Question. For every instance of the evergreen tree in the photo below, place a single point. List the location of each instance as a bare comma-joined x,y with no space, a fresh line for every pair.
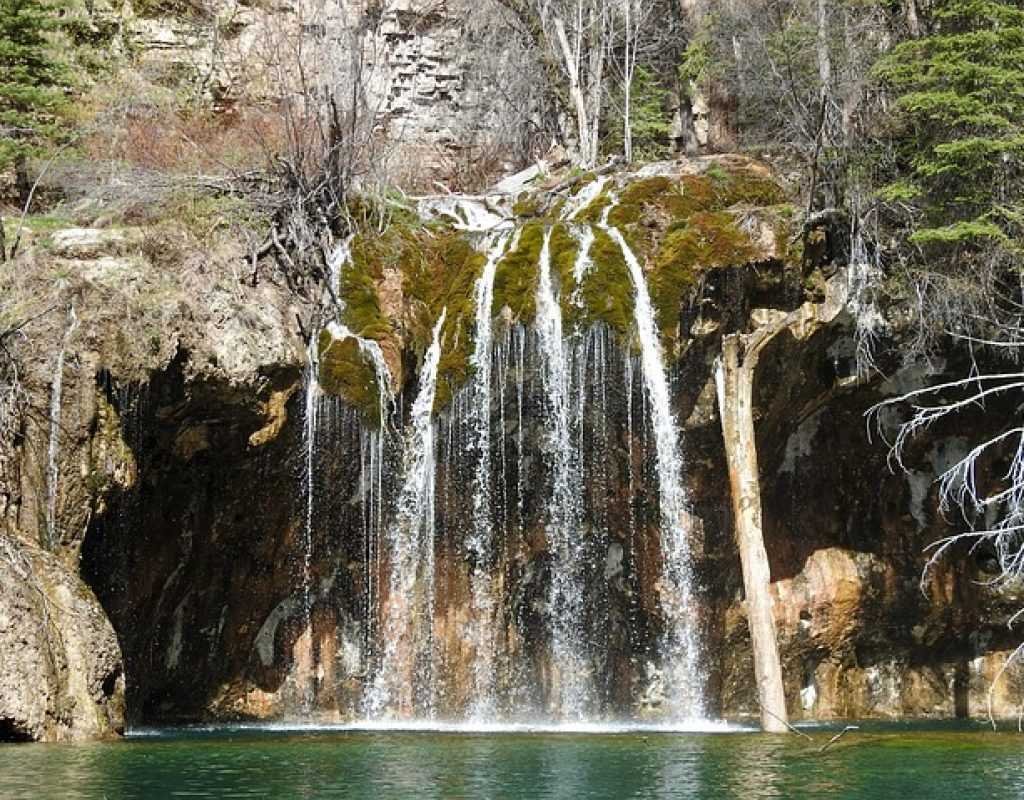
33,80
648,122
960,136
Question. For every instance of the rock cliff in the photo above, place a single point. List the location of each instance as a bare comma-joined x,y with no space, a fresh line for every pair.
163,469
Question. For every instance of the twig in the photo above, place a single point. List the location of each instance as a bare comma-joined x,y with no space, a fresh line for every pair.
32,192
785,722
838,736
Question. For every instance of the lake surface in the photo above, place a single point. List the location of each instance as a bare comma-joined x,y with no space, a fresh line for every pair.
958,762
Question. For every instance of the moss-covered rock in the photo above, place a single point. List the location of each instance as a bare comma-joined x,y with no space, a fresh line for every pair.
680,226
442,275
438,266
517,273
357,289
708,240
606,289
345,371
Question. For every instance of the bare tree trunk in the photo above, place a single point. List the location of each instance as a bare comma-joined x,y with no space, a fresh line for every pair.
629,61
913,23
824,59
735,383
3,241
21,180
597,59
735,398
575,89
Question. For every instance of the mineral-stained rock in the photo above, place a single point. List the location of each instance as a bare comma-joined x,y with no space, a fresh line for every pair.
61,675
94,243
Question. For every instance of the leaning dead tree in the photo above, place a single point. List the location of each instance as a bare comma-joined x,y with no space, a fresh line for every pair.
734,377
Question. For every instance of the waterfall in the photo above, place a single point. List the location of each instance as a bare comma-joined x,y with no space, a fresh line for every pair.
583,198
403,683
572,680
679,650
53,445
480,542
314,399
545,602
309,435
583,264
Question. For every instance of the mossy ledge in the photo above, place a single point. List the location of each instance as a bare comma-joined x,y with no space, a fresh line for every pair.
726,213
438,266
345,371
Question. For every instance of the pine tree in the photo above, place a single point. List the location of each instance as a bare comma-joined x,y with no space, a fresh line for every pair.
33,81
960,107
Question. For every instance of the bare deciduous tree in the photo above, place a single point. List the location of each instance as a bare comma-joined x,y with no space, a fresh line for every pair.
734,377
574,36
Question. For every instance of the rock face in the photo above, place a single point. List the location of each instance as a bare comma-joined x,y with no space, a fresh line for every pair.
232,531
863,630
62,676
413,61
107,309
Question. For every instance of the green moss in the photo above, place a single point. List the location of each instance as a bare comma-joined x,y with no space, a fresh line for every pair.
526,205
515,278
607,288
594,210
555,212
663,198
789,245
379,212
346,372
634,198
747,188
357,289
709,240
564,250
439,272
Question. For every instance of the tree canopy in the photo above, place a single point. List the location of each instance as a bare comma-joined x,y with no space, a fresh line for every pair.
33,78
959,102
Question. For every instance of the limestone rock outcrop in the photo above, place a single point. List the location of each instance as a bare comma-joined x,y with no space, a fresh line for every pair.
177,490
61,671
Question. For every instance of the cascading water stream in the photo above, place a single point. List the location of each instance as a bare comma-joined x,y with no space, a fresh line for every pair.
480,544
584,198
314,399
572,688
304,646
53,446
679,651
403,684
529,451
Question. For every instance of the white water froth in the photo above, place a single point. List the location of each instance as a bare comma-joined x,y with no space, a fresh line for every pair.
572,682
403,683
480,543
53,446
466,214
583,198
697,726
684,690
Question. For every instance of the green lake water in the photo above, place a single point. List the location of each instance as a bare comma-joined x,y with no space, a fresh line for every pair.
878,762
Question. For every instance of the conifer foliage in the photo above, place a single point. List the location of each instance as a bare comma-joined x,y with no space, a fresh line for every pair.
33,80
960,111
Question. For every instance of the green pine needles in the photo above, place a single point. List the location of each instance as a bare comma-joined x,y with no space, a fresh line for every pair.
33,78
960,105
